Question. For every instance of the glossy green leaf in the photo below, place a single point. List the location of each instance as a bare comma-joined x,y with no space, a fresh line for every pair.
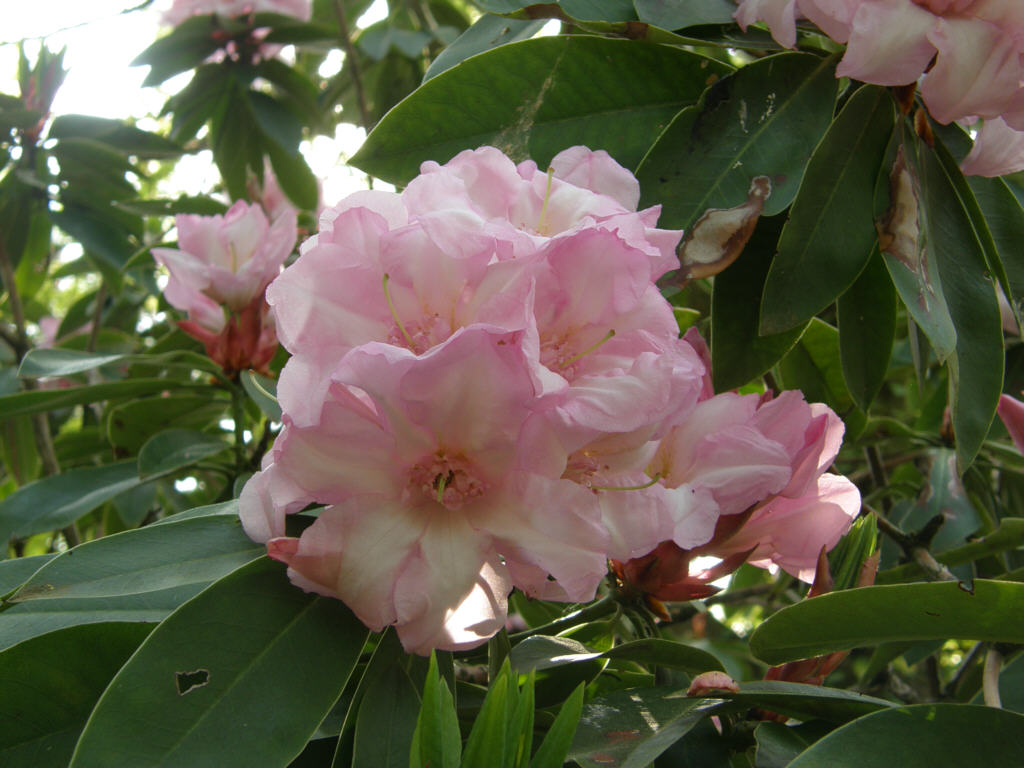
41,401
224,508
489,739
802,701
976,369
263,392
62,362
866,315
386,719
489,31
124,138
251,648
582,10
833,206
763,120
542,652
196,551
436,741
738,353
177,448
14,573
59,500
521,727
634,726
577,90
922,736
49,685
1004,217
129,425
671,14
987,610
778,744
554,750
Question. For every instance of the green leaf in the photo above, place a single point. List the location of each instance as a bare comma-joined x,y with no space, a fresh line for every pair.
763,120
870,615
804,702
55,399
489,31
198,204
488,742
922,736
542,652
251,648
867,327
106,241
671,14
554,750
976,369
738,353
227,508
125,138
1004,217
521,728
59,500
195,551
386,718
436,741
63,362
49,685
778,744
14,573
184,48
263,392
634,726
834,205
581,90
237,147
295,177
177,448
129,425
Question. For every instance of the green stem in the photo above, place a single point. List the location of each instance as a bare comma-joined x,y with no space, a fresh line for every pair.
238,416
606,606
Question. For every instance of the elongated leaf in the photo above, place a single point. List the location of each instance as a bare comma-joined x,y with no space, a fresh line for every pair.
436,741
521,728
763,120
922,736
251,648
177,448
669,14
49,685
804,702
14,573
129,425
489,31
125,138
62,362
554,750
578,90
196,551
41,401
867,327
634,726
263,392
386,720
59,500
976,370
778,744
488,742
830,233
542,652
870,615
738,353
225,508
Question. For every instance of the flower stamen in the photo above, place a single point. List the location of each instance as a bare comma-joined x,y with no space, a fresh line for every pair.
394,314
654,480
544,208
607,337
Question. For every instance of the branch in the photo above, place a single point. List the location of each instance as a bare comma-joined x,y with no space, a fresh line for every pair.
352,60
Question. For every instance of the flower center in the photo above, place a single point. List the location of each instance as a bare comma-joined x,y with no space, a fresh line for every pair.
561,354
447,480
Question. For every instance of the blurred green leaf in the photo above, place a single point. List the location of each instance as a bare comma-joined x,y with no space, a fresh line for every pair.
922,736
14,573
542,652
763,120
489,739
489,31
866,314
175,449
54,399
130,425
804,702
671,14
125,138
186,46
251,648
581,90
833,205
857,617
49,685
554,750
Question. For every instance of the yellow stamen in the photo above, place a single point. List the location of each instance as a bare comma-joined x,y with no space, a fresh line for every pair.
544,209
442,483
654,480
608,336
394,314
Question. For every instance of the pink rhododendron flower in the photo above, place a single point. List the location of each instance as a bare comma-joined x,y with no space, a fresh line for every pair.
219,275
970,52
184,9
1011,411
998,149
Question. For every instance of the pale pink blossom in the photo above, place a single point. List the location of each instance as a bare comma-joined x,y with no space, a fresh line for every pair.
967,54
181,10
418,457
224,260
1011,411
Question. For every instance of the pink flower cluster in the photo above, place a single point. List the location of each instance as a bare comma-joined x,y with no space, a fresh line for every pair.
219,275
488,391
971,53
